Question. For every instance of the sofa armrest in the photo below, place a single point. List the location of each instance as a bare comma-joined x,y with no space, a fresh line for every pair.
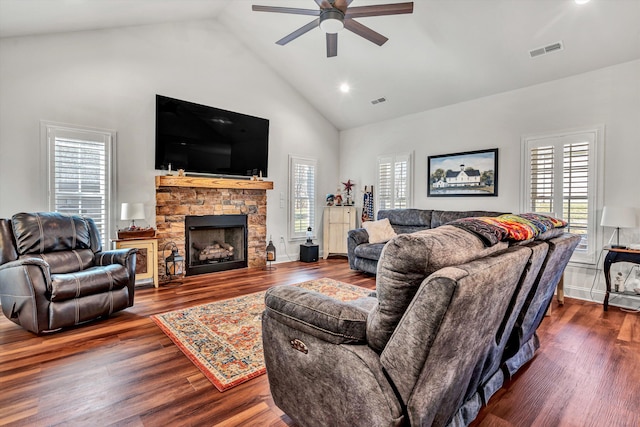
319,315
355,237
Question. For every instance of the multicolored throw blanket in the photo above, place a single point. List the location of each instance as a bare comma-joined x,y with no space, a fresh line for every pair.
517,228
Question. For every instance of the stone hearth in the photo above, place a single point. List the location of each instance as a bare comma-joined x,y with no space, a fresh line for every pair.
177,197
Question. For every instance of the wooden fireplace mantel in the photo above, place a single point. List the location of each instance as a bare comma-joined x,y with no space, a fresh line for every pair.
203,182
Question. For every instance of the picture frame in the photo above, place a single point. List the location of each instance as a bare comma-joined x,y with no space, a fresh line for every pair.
465,174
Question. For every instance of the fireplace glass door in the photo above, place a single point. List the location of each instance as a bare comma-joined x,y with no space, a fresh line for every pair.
215,243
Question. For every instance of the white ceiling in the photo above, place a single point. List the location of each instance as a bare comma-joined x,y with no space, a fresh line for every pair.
447,51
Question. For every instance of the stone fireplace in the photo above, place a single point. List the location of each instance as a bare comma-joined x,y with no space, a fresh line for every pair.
178,198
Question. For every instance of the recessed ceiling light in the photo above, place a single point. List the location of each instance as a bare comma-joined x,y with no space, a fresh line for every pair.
581,1
344,88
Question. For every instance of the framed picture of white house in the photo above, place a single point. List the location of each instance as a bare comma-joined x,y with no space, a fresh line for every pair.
472,173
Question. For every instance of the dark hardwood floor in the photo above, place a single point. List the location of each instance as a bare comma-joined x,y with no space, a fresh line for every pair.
125,371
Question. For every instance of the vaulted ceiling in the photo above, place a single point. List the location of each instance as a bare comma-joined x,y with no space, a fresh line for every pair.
447,51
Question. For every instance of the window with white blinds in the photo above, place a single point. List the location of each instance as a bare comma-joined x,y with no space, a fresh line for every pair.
561,176
302,200
394,181
80,168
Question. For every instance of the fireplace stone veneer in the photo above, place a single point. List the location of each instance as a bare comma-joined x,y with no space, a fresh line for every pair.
178,197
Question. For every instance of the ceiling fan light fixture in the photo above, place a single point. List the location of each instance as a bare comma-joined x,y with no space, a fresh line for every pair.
331,21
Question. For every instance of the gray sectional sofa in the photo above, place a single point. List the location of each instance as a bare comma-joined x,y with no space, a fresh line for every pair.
450,321
364,256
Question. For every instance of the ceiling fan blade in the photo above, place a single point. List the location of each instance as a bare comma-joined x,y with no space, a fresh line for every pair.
364,31
332,45
257,8
342,5
300,31
324,4
379,10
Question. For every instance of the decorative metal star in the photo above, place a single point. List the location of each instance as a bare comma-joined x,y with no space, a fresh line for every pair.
348,186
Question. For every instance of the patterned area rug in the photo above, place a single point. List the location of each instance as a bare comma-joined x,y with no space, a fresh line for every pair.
224,338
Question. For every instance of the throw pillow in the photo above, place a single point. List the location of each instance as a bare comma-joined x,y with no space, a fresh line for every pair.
379,231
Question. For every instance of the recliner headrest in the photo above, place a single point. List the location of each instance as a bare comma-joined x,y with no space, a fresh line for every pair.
43,232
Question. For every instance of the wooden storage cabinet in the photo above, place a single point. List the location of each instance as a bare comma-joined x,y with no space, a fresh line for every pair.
146,259
338,220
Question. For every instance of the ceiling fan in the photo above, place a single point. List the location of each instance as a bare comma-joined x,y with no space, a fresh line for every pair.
335,15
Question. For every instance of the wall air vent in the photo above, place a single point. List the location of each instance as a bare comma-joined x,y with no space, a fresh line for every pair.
379,100
554,47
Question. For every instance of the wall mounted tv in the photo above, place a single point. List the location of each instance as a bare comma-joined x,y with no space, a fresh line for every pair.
207,140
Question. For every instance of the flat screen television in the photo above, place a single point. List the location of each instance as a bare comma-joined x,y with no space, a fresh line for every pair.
208,140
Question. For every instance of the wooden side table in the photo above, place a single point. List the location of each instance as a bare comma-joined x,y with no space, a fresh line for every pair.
146,259
618,255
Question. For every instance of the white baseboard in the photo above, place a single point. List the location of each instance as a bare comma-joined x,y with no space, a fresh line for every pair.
597,295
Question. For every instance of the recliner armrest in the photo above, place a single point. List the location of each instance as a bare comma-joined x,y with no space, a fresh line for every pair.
358,235
26,261
26,276
124,257
319,315
116,256
355,237
25,288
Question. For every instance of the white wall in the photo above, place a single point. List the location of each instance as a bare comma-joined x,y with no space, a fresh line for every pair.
609,96
109,79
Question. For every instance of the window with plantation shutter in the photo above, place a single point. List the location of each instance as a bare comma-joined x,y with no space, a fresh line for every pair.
394,181
561,175
80,173
302,200
541,182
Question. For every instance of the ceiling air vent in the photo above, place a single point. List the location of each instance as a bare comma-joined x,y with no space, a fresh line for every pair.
554,47
379,100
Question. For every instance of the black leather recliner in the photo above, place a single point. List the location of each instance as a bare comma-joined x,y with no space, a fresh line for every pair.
54,273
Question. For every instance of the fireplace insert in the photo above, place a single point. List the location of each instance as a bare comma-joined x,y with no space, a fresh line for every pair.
215,243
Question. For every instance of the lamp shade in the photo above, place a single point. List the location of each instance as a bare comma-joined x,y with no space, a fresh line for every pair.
132,211
619,217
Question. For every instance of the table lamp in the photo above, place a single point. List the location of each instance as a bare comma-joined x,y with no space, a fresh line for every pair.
618,217
132,211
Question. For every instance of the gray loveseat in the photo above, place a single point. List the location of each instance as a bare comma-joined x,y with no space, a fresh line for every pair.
364,256
450,321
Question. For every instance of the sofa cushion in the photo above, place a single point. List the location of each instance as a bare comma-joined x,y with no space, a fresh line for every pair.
379,231
551,234
369,250
406,261
95,280
48,232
